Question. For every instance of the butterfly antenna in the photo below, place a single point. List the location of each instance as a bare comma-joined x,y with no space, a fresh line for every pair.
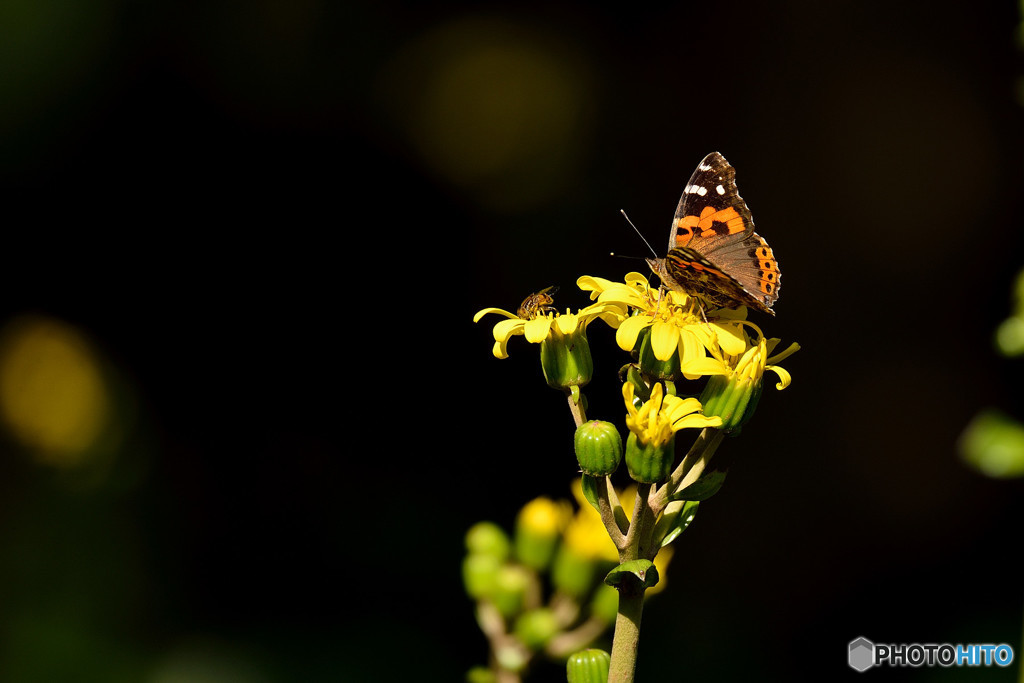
623,212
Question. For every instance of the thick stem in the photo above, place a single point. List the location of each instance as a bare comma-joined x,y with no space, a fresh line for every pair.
627,632
631,594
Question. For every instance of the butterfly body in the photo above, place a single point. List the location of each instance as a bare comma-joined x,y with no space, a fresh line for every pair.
713,251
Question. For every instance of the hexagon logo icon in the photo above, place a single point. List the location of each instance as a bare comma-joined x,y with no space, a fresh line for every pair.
862,654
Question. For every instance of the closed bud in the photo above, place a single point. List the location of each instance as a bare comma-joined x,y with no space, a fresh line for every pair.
588,666
509,590
539,527
536,627
573,573
487,538
598,448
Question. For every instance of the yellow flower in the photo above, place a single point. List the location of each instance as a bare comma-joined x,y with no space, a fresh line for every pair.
658,419
543,323
751,363
734,388
538,528
676,323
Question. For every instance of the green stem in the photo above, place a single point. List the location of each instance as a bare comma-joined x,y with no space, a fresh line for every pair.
638,527
631,594
605,493
579,415
690,469
627,632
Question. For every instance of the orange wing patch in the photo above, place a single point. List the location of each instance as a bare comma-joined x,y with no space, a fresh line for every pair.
706,224
768,266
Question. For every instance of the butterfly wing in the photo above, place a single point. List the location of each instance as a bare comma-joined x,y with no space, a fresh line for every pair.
713,249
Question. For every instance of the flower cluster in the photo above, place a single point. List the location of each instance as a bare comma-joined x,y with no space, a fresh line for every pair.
674,340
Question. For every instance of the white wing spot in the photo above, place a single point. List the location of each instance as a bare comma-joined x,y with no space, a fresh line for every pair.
720,189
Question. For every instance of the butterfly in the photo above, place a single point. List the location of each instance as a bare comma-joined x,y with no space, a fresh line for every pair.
713,251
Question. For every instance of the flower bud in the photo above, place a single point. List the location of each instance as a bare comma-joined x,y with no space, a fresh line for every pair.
509,590
598,448
536,627
487,538
480,575
588,666
649,463
539,527
573,573
604,605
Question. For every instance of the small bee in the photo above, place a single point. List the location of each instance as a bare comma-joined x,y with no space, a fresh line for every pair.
537,303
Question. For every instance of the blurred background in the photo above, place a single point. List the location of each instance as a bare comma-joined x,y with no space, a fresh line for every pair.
247,418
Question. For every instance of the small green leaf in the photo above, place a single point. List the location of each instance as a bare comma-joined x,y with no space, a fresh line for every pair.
702,489
644,570
590,491
677,516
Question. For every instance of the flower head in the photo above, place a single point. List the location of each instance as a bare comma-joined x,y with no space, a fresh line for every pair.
669,325
650,447
542,322
736,380
658,419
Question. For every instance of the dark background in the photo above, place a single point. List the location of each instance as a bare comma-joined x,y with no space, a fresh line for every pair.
275,221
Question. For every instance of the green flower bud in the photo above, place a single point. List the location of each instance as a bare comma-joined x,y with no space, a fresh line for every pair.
588,666
598,448
509,590
572,573
487,538
480,575
536,627
649,463
539,527
605,603
565,358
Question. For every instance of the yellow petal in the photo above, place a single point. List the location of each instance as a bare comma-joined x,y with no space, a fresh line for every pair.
690,347
664,340
731,338
500,311
629,330
790,350
698,421
784,377
701,367
682,407
637,279
567,323
594,285
505,329
537,329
